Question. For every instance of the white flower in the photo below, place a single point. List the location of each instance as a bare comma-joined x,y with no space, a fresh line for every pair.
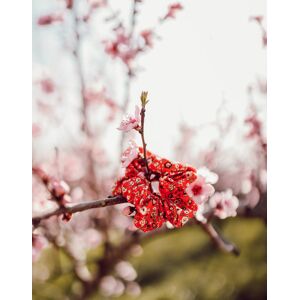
131,121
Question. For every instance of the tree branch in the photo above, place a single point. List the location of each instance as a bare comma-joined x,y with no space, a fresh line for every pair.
79,66
218,240
79,207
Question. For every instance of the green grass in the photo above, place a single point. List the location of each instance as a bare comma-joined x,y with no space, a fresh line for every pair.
183,265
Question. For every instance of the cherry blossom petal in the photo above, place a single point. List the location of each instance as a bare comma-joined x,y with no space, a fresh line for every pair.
129,154
200,214
210,177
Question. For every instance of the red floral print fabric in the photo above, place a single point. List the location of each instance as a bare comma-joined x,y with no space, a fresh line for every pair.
169,203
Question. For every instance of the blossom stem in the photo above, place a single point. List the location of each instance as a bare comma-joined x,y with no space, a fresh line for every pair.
79,207
142,133
79,67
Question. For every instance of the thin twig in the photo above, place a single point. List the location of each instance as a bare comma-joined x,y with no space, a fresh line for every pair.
79,66
84,105
129,74
79,207
142,132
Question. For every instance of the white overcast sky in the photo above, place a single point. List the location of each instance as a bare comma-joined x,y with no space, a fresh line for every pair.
210,52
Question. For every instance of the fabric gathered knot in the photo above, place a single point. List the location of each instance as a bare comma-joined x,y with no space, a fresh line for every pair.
161,195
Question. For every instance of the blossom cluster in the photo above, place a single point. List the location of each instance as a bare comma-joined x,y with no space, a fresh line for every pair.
131,121
172,10
59,190
126,45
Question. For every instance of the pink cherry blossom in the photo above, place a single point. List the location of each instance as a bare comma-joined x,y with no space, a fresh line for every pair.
91,96
131,121
147,35
199,190
38,244
129,154
128,210
97,3
258,19
172,10
255,126
224,204
36,130
253,197
69,4
49,19
122,46
47,85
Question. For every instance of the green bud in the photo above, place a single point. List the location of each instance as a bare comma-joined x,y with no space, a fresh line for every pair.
144,100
